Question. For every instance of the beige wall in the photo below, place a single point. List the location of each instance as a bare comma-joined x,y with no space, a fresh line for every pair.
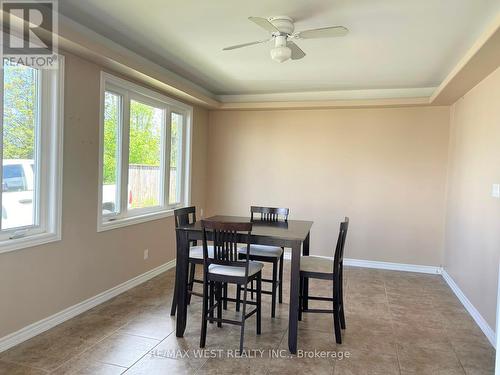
385,168
473,216
40,281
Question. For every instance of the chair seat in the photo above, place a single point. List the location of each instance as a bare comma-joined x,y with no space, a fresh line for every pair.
316,264
262,250
253,268
196,252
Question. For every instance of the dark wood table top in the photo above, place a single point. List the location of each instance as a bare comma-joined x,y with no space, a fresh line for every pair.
293,230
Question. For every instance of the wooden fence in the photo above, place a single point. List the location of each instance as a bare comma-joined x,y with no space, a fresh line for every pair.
144,183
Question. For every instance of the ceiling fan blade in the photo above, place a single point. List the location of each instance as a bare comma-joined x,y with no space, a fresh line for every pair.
324,32
265,24
297,53
245,45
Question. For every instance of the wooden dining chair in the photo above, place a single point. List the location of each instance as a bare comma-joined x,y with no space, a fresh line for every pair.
226,267
326,269
184,216
268,254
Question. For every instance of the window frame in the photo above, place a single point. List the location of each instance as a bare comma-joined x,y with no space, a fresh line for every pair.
130,91
48,164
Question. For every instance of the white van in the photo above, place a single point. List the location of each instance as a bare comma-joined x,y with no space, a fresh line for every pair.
18,179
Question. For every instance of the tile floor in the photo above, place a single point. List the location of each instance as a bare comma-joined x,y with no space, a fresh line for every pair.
397,323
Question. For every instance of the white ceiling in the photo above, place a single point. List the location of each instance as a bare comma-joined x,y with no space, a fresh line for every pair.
392,44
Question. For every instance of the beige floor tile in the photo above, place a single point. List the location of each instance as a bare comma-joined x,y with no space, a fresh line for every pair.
421,317
155,325
46,351
421,336
154,365
85,365
475,357
121,349
15,369
230,366
419,360
368,363
300,366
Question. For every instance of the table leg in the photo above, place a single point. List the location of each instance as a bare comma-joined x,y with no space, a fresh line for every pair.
181,273
305,251
293,316
174,297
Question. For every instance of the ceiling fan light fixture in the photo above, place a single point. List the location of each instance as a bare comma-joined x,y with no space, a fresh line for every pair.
281,54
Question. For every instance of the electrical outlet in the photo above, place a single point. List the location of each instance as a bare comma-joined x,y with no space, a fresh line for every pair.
495,191
146,254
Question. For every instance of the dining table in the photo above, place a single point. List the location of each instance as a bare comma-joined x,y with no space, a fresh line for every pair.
292,234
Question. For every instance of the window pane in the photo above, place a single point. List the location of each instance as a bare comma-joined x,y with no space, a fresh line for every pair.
175,158
111,153
19,148
144,174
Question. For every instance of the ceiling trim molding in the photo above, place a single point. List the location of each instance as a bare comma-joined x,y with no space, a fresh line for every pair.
316,104
479,61
373,94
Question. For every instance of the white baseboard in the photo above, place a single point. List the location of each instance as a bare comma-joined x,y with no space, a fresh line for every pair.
384,265
480,321
43,325
392,266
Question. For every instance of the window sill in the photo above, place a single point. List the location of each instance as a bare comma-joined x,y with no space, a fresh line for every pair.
103,226
28,241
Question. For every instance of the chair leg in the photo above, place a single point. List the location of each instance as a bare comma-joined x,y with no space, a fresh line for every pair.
342,317
238,297
174,300
211,304
192,270
341,298
251,290
280,298
259,302
336,319
243,313
274,289
224,296
219,287
203,335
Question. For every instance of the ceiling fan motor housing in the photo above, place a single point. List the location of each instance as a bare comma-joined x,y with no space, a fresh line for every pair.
283,23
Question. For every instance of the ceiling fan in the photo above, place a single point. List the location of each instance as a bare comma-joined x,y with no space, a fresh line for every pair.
283,32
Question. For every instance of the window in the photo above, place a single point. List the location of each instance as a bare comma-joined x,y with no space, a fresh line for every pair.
31,153
146,164
144,156
176,125
111,156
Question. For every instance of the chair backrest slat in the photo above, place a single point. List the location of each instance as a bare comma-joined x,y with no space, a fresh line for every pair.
225,242
269,214
185,216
